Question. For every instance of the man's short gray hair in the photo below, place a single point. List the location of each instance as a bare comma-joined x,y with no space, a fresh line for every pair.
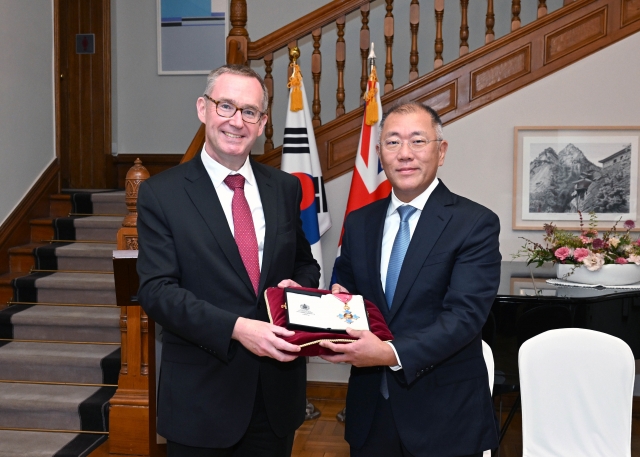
414,107
239,70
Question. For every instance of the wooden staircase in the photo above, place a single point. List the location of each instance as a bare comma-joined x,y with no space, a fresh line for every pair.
21,259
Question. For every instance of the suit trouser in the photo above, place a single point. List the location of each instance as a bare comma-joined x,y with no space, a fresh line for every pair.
258,441
383,439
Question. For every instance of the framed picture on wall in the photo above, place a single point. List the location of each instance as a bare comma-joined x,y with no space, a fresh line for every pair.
561,171
191,36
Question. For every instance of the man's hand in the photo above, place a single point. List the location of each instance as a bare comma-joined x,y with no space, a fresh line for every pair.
367,351
338,289
288,283
263,339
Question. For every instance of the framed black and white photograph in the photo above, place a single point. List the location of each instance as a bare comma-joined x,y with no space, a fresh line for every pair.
562,171
191,36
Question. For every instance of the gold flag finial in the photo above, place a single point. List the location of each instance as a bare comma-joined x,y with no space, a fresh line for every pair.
295,81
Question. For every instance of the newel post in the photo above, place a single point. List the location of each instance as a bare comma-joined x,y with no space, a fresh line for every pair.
132,416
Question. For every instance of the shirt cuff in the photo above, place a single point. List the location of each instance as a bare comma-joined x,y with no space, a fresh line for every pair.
399,365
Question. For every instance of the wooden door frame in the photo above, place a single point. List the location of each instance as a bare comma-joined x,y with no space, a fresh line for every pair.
106,43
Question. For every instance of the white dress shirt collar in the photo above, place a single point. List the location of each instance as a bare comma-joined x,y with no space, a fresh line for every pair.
417,202
219,172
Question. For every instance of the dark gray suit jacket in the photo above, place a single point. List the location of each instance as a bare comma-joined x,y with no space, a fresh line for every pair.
194,284
449,279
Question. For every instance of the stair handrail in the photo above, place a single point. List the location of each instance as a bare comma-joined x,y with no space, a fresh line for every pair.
302,27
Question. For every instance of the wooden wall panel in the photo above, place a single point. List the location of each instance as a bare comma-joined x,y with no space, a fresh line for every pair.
501,72
443,99
630,12
155,163
575,35
342,148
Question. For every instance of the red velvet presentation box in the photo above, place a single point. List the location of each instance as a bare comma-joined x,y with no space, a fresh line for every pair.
308,341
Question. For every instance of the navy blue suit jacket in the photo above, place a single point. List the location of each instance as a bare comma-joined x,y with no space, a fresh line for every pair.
440,399
194,284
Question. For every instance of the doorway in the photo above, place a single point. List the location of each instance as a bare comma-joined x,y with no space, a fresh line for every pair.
83,92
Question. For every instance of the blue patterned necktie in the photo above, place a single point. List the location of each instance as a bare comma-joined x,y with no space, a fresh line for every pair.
398,251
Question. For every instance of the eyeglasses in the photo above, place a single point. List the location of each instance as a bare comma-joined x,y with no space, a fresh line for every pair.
228,109
416,144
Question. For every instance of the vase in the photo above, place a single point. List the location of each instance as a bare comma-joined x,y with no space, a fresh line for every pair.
607,275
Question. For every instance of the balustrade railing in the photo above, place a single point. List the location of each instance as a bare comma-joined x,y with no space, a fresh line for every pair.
334,18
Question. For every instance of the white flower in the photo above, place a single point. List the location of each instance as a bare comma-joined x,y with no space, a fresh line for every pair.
614,241
593,261
633,258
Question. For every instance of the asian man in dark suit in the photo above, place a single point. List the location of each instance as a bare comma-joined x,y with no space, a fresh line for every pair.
430,260
213,234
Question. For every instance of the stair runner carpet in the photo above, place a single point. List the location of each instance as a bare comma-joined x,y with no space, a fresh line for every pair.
59,364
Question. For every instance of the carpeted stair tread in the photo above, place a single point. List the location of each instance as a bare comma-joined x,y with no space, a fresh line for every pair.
62,323
109,203
42,444
82,288
90,228
75,256
56,362
53,407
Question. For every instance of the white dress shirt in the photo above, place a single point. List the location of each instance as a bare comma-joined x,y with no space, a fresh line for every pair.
218,172
391,226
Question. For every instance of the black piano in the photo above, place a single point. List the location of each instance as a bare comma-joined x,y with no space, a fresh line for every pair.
527,305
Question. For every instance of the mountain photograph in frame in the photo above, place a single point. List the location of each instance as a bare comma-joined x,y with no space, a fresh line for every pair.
561,171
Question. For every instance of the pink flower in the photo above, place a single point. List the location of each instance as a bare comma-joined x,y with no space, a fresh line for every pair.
593,261
637,242
580,253
584,239
597,243
633,258
629,224
621,260
562,253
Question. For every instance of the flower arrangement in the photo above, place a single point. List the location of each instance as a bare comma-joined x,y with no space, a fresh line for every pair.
588,248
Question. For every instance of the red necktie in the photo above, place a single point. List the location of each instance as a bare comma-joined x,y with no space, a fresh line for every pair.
243,229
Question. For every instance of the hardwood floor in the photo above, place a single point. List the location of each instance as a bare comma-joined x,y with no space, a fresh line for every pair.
324,436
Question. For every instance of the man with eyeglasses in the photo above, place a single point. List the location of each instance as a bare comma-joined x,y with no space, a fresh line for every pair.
430,260
214,233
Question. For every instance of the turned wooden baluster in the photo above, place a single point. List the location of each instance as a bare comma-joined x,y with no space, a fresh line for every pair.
238,36
515,15
542,8
438,6
316,71
489,34
414,22
464,28
268,81
388,39
340,58
364,49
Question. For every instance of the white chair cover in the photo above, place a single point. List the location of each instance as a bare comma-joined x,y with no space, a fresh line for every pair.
488,359
576,387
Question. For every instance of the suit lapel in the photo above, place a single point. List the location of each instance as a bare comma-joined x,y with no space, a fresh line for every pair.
269,198
373,237
204,197
433,220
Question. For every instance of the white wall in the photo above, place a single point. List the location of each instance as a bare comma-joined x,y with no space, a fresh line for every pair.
27,132
600,90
